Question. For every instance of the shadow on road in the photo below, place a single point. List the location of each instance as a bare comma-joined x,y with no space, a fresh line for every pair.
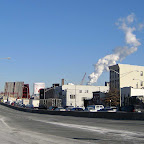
85,139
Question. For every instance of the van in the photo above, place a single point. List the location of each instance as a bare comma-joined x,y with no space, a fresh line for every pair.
94,108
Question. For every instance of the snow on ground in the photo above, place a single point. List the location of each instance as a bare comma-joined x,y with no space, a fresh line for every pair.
9,135
117,133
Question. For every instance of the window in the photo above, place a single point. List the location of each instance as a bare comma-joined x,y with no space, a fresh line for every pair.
141,73
86,91
80,91
141,83
72,96
112,74
115,84
83,98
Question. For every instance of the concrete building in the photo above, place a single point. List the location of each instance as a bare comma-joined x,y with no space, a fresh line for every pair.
36,89
131,96
98,99
124,75
70,94
50,96
16,90
74,95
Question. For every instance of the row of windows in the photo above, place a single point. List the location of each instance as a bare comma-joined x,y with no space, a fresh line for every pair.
116,75
80,91
72,96
45,101
114,84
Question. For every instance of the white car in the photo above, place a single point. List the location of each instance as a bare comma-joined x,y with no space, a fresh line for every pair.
68,108
94,108
60,109
108,109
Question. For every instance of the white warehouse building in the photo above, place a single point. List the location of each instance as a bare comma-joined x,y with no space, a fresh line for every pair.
74,95
70,94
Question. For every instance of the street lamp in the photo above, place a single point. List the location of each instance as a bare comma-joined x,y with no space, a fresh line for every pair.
122,76
6,58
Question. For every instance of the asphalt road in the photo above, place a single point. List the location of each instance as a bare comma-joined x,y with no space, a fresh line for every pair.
18,127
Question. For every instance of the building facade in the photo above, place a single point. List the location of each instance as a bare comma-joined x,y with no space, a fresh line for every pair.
70,94
50,96
74,95
132,96
16,90
124,75
98,99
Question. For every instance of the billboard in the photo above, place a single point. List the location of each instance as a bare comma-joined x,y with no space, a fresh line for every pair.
38,86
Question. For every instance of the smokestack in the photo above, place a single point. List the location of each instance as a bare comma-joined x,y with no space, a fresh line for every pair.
119,53
62,82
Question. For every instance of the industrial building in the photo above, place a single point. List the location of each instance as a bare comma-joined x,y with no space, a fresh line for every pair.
70,94
98,98
51,96
74,95
130,96
16,90
36,89
124,75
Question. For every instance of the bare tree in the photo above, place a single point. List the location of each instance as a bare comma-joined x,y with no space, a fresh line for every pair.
112,98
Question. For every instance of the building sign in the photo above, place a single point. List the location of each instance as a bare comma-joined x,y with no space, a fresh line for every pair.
38,86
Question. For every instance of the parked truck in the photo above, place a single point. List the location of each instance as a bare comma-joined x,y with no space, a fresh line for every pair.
34,103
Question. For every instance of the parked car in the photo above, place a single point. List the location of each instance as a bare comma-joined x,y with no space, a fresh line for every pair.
89,109
60,109
29,106
23,105
94,108
108,109
12,103
68,108
42,107
133,108
4,101
77,109
52,108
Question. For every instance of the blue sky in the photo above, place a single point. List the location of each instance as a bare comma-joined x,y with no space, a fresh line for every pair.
48,40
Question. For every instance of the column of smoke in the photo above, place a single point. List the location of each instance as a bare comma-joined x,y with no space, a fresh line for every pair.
119,53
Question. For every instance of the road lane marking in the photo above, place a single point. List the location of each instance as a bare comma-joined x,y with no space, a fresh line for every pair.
3,121
125,134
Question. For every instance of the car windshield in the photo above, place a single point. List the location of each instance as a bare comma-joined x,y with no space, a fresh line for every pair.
89,108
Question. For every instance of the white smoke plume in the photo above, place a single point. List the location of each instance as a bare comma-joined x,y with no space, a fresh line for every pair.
119,53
